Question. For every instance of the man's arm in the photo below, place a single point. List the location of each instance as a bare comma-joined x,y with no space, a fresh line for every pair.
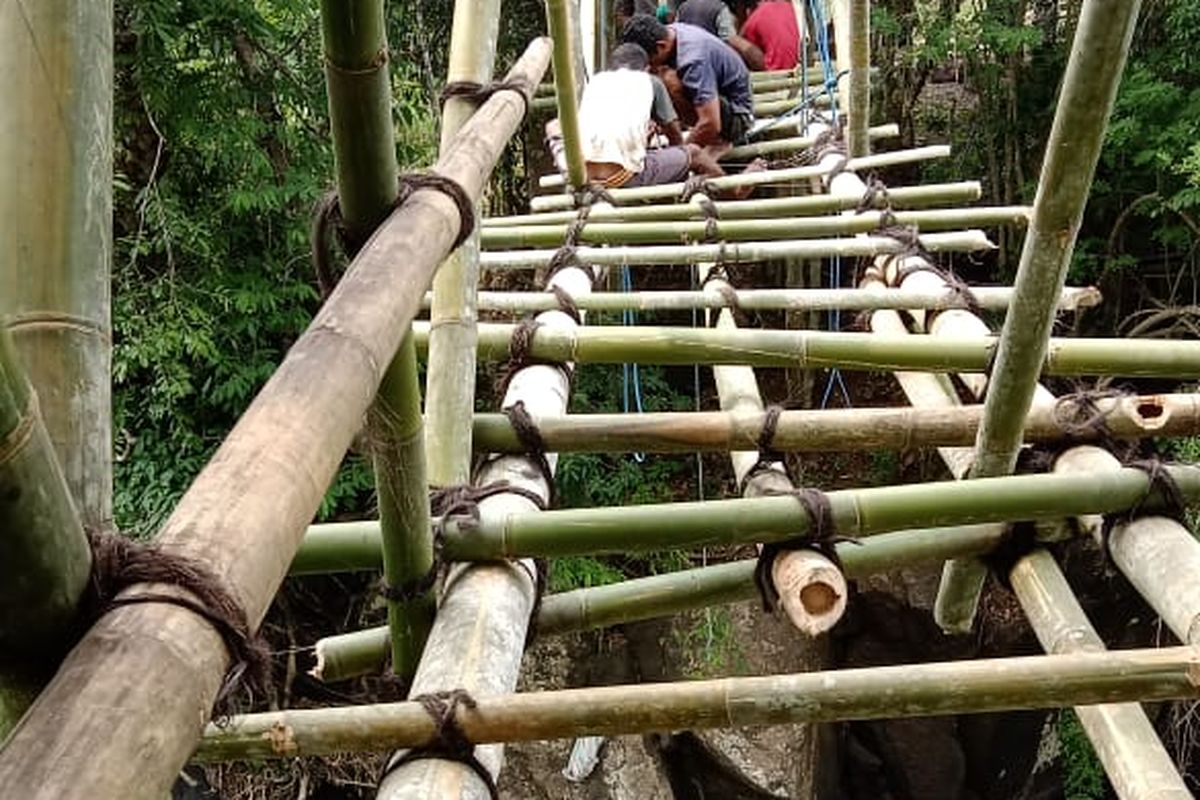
707,129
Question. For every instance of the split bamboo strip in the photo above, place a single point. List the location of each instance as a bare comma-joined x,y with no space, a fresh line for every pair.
856,512
910,690
363,652
558,19
1093,72
858,351
812,227
360,112
1132,754
450,389
56,145
125,716
556,202
858,106
991,298
740,252
800,205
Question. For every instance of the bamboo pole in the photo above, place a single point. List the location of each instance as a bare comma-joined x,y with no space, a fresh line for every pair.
1178,360
664,232
1089,86
558,18
991,298
858,94
349,655
1132,754
56,227
450,389
557,202
762,80
794,206
125,706
360,113
740,252
910,690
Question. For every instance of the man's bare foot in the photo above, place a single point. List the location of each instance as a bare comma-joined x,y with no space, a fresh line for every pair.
757,165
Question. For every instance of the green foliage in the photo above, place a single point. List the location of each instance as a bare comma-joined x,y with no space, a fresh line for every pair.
581,572
710,643
1083,775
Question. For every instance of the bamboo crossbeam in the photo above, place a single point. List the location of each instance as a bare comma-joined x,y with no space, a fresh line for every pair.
990,298
1093,72
558,20
364,652
780,105
764,80
911,690
1133,757
791,228
740,252
155,668
1178,360
901,197
663,191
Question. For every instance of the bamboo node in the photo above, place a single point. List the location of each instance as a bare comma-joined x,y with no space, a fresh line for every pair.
449,743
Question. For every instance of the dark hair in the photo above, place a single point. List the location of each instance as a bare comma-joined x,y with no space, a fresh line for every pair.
628,56
645,31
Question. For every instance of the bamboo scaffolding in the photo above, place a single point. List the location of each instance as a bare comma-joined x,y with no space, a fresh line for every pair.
558,18
557,202
360,112
765,103
990,298
858,351
268,477
858,94
1093,71
363,652
910,690
801,205
663,232
739,252
1123,737
759,81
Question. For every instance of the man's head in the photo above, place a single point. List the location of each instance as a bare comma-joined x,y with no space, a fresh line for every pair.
656,39
629,56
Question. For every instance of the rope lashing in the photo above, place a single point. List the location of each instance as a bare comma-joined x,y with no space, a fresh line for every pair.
449,742
520,355
480,93
767,454
566,303
1162,485
722,282
531,439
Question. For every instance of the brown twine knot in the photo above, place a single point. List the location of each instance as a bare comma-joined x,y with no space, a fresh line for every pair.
449,743
480,93
822,537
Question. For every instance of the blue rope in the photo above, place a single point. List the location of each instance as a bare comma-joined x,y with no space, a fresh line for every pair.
631,382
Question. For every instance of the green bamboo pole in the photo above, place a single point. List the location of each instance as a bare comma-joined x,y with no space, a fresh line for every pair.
768,108
991,298
44,553
558,18
360,112
858,94
664,232
1097,59
740,252
1176,359
762,80
910,690
349,655
56,146
1134,758
156,668
557,202
801,205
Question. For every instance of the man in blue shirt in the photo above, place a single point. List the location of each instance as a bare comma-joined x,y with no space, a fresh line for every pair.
714,78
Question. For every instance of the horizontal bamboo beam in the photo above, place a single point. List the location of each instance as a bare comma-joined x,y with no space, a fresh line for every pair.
763,79
789,228
765,207
741,252
1176,359
991,298
910,690
765,178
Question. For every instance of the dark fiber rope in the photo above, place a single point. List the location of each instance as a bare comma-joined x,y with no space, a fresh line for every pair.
449,742
821,537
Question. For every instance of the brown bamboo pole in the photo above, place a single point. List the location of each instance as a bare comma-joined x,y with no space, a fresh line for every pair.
566,79
740,252
859,351
153,670
56,146
1093,71
991,298
909,690
1134,758
858,94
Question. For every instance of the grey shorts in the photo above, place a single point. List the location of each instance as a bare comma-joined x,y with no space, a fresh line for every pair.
663,165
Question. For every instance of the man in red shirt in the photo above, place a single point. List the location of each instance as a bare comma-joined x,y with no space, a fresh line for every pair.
772,27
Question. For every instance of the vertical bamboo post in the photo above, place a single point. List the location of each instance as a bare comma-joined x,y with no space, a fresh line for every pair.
360,110
558,18
858,103
450,387
1097,59
840,11
1132,754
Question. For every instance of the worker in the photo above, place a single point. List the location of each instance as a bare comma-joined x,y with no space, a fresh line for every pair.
722,20
772,27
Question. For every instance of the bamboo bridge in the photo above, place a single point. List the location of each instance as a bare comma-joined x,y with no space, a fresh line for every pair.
463,565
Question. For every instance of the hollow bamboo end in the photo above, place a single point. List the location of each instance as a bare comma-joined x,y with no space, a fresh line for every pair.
318,670
812,590
1149,412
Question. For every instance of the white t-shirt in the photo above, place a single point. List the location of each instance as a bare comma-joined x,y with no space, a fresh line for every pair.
614,118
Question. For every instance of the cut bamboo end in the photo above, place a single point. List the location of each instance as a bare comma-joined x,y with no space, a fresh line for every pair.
812,590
